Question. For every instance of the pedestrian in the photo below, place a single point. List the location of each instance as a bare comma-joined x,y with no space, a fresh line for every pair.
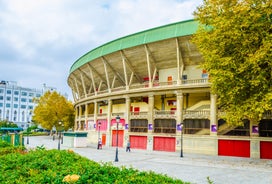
128,147
99,145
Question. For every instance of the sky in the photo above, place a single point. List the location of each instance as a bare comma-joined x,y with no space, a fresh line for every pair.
41,39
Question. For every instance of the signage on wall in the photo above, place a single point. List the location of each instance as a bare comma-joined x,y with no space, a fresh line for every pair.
214,128
126,126
150,127
255,129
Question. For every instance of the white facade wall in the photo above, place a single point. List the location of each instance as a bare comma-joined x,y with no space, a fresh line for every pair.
16,103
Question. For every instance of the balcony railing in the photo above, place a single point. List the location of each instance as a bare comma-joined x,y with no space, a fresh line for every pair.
196,114
157,114
155,84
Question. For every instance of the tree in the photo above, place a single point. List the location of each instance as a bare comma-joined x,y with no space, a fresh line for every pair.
235,38
5,123
52,109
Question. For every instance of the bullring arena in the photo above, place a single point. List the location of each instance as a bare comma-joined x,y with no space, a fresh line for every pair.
149,88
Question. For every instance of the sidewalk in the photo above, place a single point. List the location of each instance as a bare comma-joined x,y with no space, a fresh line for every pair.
192,168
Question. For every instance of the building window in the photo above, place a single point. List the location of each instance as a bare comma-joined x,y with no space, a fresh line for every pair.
7,114
8,98
15,105
16,99
23,116
30,107
16,92
8,105
1,104
1,98
38,95
1,91
9,92
24,93
31,94
23,99
30,100
23,106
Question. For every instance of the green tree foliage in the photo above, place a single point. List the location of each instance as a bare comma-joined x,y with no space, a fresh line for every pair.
235,38
52,109
8,124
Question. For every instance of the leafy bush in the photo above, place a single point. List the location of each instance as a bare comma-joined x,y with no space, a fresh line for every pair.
65,166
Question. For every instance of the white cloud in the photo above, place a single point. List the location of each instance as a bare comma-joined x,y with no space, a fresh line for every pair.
42,38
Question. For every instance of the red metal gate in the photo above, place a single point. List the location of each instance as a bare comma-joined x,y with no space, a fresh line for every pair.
265,150
138,142
239,148
120,138
164,144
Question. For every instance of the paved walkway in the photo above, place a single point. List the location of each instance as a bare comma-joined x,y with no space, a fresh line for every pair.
192,168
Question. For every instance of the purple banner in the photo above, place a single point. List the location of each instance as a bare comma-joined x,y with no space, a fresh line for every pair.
214,128
179,127
255,129
150,127
126,126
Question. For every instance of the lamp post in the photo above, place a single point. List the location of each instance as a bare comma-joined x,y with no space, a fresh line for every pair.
53,132
98,124
181,140
117,124
27,133
60,123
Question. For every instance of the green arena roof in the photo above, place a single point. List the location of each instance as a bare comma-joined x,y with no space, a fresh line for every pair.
177,29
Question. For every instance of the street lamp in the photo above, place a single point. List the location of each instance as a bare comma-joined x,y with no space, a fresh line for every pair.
181,140
27,133
60,123
117,124
98,124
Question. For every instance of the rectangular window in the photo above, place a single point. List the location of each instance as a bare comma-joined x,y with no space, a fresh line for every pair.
23,106
30,100
23,93
30,107
16,99
38,95
1,90
23,99
8,98
15,105
31,94
9,91
8,105
16,92
1,98
1,104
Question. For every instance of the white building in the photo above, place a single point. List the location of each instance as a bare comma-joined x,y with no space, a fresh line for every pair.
16,102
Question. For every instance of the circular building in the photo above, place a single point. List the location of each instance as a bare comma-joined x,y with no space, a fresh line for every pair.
149,89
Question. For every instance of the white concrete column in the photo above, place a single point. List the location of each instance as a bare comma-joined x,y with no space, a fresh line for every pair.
95,111
179,111
127,111
86,116
150,121
150,108
213,115
108,132
76,118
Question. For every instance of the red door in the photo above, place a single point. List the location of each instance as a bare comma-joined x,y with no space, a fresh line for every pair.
138,142
164,144
104,139
120,138
238,148
266,150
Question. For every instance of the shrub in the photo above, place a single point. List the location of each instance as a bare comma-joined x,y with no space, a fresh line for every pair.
61,166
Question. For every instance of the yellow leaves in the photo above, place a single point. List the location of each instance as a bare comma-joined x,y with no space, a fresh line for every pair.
51,109
71,178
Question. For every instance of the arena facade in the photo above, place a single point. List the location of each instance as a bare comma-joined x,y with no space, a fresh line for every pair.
148,88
